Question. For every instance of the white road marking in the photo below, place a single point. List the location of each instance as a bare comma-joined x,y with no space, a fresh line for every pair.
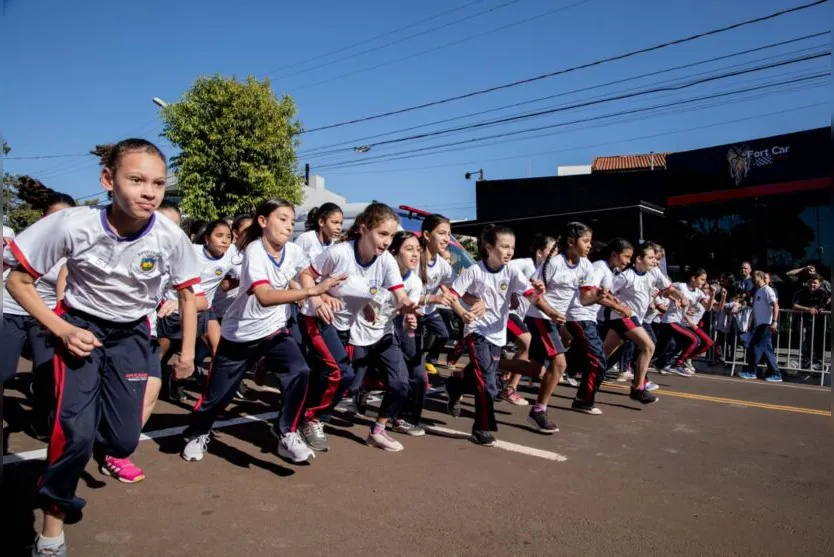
40,454
505,445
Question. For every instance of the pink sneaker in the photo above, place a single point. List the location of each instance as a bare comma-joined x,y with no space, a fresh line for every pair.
122,469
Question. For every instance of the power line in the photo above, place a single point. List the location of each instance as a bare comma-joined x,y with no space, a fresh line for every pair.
632,93
517,118
587,146
561,124
574,68
375,37
46,157
361,140
442,46
402,39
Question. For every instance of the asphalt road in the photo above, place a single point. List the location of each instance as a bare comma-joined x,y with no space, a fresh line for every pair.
717,467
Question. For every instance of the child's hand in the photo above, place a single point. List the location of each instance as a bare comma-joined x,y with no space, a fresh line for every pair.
79,342
169,307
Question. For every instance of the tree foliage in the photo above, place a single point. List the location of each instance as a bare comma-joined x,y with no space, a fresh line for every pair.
237,146
24,198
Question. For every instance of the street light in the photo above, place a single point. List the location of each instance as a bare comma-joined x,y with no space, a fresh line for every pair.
480,174
159,102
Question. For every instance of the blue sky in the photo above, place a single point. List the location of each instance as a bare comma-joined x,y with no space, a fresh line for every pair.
80,73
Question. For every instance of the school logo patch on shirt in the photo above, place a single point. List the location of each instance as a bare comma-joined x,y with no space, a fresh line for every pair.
146,261
504,286
373,290
218,272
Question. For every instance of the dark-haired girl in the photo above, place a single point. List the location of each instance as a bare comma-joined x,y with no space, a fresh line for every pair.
326,320
435,271
229,286
381,340
681,324
587,352
19,327
117,258
255,327
324,227
634,287
517,330
494,282
566,277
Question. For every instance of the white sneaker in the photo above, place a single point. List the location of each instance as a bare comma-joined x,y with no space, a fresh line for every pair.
651,386
383,441
690,366
293,448
568,380
196,448
402,426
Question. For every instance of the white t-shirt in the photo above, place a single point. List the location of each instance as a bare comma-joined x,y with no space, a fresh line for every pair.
653,315
561,281
366,333
528,268
675,314
437,273
153,315
495,288
224,298
763,300
601,277
8,233
246,319
362,284
212,272
116,279
635,290
46,287
310,244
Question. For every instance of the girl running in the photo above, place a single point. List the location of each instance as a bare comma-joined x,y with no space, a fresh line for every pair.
493,281
435,271
634,287
324,227
19,327
566,276
587,352
255,327
326,320
681,325
376,343
517,330
225,295
117,257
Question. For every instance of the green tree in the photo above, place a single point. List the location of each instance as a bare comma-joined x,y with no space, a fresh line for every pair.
470,244
237,146
23,198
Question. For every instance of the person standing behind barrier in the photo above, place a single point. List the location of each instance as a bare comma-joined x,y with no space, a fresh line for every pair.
811,301
765,323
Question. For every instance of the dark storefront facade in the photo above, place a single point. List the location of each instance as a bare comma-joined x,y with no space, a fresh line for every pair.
767,200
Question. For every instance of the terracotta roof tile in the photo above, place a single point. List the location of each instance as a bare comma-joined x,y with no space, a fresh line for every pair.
628,162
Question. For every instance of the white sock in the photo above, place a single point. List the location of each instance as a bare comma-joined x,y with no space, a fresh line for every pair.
50,543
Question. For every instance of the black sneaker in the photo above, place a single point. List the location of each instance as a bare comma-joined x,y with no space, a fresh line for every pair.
540,421
453,404
585,407
483,438
642,396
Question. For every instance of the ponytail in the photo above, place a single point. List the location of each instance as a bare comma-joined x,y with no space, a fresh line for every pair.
321,212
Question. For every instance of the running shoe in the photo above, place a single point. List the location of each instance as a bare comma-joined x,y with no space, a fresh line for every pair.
775,378
483,438
511,395
313,434
651,386
568,380
430,369
195,448
642,395
380,439
402,426
746,375
60,551
453,404
585,407
681,371
541,422
122,469
292,447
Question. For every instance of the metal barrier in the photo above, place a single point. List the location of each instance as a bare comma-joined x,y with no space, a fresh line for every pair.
802,343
